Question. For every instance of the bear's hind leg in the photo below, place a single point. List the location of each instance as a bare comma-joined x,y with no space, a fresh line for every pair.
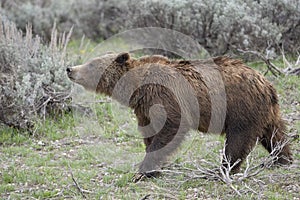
274,140
237,146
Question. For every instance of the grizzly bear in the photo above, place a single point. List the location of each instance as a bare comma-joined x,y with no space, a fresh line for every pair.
170,97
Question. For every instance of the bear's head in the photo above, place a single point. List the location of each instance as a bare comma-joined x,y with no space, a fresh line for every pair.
100,74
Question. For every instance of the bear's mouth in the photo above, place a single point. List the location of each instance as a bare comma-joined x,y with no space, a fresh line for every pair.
75,80
71,78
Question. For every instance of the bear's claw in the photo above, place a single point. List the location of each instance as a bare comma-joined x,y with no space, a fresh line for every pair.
143,175
137,177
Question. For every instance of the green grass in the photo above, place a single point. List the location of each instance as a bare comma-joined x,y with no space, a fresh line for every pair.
102,152
10,136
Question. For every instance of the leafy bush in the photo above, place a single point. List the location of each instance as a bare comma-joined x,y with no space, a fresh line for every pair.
32,75
220,26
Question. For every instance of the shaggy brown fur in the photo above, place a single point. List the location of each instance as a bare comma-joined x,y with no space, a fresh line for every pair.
171,97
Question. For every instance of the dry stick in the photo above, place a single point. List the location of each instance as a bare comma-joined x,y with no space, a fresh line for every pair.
269,161
295,71
146,197
274,70
207,173
77,185
248,171
298,60
224,175
291,68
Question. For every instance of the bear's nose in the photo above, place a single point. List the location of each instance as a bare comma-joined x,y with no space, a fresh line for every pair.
69,70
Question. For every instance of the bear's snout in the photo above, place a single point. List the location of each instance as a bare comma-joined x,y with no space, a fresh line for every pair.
69,71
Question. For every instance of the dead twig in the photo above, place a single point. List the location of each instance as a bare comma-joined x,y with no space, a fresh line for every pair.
238,182
146,197
273,69
82,191
77,185
291,68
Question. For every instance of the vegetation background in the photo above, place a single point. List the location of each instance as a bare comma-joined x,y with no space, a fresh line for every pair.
51,149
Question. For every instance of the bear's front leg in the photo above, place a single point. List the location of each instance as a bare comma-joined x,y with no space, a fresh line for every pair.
159,146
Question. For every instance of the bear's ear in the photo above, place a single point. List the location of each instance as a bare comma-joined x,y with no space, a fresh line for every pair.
122,58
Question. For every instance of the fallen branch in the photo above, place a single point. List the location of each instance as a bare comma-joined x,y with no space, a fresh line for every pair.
273,69
291,68
146,197
295,71
239,182
82,191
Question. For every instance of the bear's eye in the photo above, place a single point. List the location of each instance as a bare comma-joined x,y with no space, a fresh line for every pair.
91,65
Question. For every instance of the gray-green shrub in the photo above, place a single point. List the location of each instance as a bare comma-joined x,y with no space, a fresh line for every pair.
96,18
224,25
220,26
32,75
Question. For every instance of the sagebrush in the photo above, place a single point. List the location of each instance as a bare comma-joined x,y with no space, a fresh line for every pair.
32,77
220,26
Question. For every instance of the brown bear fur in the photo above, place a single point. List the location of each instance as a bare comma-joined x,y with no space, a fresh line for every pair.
151,87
